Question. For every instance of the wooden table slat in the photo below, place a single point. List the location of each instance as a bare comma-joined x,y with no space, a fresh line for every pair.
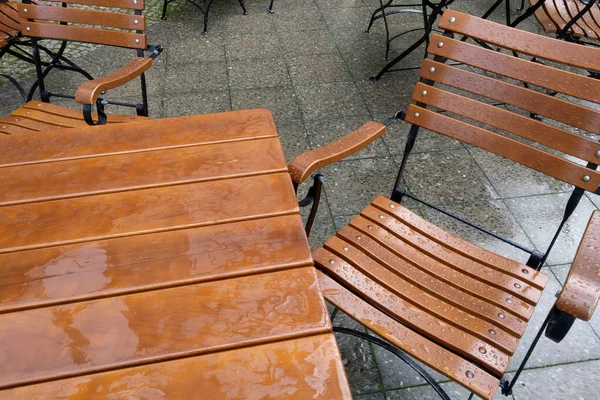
60,222
122,172
76,272
116,332
306,368
144,136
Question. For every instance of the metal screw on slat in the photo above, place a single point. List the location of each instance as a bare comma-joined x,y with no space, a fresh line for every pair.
28,29
3,126
134,1
137,40
501,316
509,300
345,249
598,153
135,21
424,93
331,261
392,206
24,10
518,285
586,178
432,70
452,19
441,44
417,115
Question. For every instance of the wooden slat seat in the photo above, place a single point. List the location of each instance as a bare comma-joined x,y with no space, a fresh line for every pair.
448,291
554,15
37,116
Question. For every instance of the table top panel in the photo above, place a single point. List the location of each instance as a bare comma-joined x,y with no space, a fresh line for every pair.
304,368
54,275
115,332
148,135
80,219
81,177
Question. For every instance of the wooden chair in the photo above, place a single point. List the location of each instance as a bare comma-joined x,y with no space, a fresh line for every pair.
570,19
82,21
454,306
9,33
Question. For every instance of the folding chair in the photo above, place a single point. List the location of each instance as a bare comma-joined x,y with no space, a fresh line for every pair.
571,20
452,305
9,33
204,10
83,23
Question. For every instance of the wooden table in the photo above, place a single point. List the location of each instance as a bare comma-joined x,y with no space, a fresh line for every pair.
159,259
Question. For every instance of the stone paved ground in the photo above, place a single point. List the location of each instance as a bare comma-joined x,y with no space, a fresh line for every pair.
309,63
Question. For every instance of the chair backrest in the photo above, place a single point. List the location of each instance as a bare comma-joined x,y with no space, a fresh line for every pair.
9,23
86,21
456,100
554,15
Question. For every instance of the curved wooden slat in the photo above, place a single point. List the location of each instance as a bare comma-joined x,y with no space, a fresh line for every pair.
127,4
446,362
539,103
497,117
85,271
410,315
562,13
226,375
522,41
29,226
84,34
520,69
586,22
82,16
549,164
124,331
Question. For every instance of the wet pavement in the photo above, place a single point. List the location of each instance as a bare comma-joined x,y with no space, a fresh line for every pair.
309,63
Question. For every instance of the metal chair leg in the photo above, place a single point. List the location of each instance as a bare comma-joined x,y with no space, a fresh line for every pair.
245,12
271,7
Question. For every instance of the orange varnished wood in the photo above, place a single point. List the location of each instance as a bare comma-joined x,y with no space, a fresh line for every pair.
8,129
63,274
548,106
415,267
83,34
522,273
122,172
532,157
301,369
82,16
9,19
522,41
412,315
89,91
456,368
581,292
35,225
306,163
127,4
120,139
555,14
524,126
517,68
80,338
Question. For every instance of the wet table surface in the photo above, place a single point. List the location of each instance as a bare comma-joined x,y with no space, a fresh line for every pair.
159,259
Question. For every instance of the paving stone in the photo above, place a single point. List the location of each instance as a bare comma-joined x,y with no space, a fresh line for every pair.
307,43
331,100
454,390
281,101
371,396
427,141
189,78
353,184
240,47
447,176
540,216
196,48
199,102
594,198
574,381
248,24
324,131
281,5
323,227
293,138
387,96
299,20
322,68
258,73
325,4
514,180
355,18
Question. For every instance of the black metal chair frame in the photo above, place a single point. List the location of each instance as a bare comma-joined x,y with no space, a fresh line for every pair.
204,10
42,69
557,323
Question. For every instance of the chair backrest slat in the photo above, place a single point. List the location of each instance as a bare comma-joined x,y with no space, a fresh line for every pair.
83,16
497,117
517,68
518,96
522,153
84,34
9,19
521,41
126,4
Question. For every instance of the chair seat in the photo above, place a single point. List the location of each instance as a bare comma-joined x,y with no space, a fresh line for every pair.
555,15
38,116
454,306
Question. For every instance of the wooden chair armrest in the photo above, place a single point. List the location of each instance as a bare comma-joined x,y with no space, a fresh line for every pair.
303,165
89,91
580,294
